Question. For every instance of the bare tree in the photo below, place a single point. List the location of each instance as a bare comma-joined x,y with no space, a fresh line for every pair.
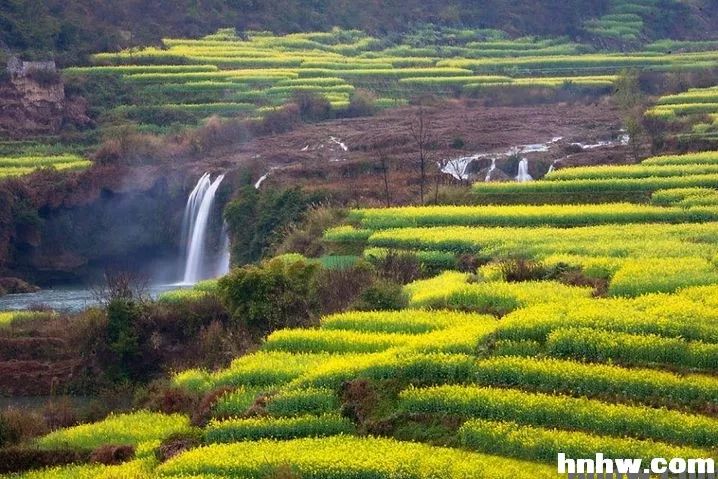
420,130
384,163
126,285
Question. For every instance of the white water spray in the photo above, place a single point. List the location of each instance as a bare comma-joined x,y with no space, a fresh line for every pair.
523,173
222,266
491,170
195,228
552,167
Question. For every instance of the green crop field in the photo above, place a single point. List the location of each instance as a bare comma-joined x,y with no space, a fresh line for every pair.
263,70
698,106
577,313
522,368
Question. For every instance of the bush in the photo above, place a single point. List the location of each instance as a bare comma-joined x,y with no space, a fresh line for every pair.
361,103
312,107
256,218
280,120
399,267
13,460
458,143
122,340
337,289
111,454
518,270
273,295
44,78
383,295
178,443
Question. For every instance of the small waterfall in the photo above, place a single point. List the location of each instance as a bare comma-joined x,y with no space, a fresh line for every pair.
222,266
552,167
523,173
195,228
491,170
261,180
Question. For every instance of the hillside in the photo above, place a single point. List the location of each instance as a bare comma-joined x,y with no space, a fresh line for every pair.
71,29
334,239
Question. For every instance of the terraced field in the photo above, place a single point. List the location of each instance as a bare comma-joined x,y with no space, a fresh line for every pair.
625,20
697,106
11,166
228,74
612,348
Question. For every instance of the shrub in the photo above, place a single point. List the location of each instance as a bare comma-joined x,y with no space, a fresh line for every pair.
312,107
337,289
178,443
122,339
518,270
383,295
270,296
110,454
400,267
257,218
361,103
45,78
16,459
17,426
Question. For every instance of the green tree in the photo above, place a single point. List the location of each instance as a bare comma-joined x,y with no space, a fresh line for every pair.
629,98
273,295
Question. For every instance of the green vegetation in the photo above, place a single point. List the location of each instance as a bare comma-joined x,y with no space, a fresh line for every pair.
21,165
235,430
131,428
563,412
576,314
250,73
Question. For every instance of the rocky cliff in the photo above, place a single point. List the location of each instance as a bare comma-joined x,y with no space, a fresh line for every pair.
35,104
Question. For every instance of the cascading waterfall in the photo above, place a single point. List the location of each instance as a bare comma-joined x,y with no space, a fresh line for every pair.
491,170
195,230
222,266
552,167
523,173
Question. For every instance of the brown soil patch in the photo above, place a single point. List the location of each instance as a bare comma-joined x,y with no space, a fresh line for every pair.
313,155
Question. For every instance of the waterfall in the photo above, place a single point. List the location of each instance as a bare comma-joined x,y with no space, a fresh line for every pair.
491,170
195,228
523,175
552,167
222,266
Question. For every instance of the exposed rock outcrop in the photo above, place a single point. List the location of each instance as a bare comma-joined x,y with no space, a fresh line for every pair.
33,102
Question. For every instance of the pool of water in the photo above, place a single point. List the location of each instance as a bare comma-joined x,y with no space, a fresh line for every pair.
66,299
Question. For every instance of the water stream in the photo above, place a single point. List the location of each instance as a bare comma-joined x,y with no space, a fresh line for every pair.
523,173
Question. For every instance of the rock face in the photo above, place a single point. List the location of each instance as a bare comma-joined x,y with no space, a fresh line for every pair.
33,102
16,285
72,227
